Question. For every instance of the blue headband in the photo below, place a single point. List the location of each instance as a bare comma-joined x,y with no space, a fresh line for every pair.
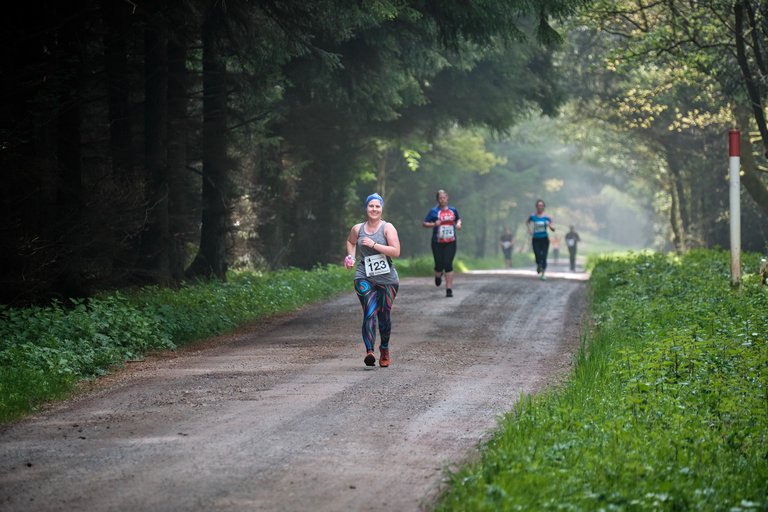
374,196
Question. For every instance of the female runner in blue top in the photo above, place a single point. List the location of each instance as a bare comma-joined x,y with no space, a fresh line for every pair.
537,224
376,280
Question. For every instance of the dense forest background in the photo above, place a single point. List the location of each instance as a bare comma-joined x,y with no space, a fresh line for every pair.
151,142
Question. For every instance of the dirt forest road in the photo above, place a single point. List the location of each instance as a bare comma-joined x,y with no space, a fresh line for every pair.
285,416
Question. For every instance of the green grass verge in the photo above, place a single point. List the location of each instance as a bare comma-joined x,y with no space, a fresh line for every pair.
421,266
667,407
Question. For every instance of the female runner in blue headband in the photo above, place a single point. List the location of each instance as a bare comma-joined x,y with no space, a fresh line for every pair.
376,279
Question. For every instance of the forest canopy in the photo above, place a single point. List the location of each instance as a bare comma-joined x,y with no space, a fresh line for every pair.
152,142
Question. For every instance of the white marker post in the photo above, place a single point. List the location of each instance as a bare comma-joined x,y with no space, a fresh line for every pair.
734,153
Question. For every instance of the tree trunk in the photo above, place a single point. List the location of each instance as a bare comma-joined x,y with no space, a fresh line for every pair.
211,259
752,85
155,241
678,235
69,193
274,197
69,150
750,178
116,66
678,184
177,156
483,181
381,173
28,135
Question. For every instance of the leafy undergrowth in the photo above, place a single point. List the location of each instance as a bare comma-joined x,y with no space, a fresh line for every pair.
422,266
44,351
666,409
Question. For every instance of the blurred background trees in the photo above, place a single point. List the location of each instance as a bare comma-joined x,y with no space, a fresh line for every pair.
673,77
146,143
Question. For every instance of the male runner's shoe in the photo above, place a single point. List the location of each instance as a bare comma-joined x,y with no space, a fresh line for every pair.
384,358
448,292
543,277
438,280
370,359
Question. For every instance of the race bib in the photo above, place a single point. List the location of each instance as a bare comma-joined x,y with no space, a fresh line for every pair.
540,226
376,265
445,233
506,244
571,242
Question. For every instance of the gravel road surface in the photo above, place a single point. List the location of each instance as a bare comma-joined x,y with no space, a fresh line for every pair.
284,415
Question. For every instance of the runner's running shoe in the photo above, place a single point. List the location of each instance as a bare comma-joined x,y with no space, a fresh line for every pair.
449,292
384,358
439,280
370,359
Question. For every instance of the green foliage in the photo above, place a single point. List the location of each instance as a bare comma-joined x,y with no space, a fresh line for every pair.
415,267
667,407
202,309
658,85
78,338
412,158
44,351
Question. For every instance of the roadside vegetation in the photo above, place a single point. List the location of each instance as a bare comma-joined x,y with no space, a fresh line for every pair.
666,409
45,351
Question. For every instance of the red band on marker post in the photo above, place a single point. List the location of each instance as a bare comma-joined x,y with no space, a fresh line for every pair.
733,143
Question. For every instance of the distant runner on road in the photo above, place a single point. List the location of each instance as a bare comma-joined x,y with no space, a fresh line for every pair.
445,221
555,241
376,280
572,240
537,224
507,241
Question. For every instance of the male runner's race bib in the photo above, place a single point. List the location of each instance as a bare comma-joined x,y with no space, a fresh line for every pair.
571,242
376,265
505,244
